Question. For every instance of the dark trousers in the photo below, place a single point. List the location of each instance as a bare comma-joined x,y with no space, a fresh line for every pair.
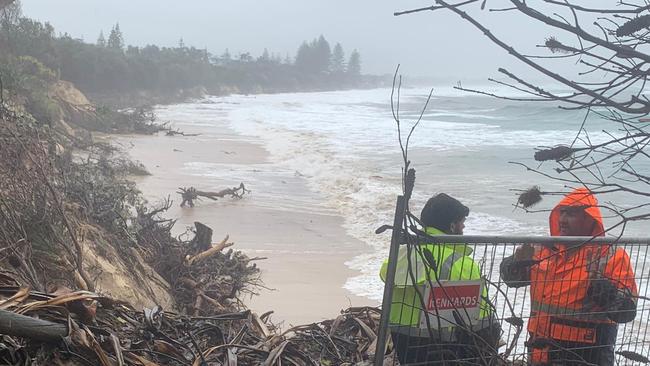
575,353
425,351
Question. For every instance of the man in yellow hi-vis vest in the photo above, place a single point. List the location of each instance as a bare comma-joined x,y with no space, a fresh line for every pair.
433,275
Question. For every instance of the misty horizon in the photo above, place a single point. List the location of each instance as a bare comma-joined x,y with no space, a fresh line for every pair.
417,42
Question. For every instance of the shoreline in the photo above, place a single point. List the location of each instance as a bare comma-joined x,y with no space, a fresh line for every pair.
306,246
144,97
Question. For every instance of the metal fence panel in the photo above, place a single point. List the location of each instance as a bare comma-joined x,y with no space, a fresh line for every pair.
509,307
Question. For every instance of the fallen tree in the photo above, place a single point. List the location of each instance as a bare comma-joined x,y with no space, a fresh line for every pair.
191,194
171,132
203,279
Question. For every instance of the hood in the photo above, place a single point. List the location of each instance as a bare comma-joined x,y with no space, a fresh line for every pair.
579,197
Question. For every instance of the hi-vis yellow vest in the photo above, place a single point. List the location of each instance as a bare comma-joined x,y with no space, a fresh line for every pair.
452,262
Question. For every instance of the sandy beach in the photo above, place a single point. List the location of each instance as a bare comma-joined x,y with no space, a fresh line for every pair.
305,248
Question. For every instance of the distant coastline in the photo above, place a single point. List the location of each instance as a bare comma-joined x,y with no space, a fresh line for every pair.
144,97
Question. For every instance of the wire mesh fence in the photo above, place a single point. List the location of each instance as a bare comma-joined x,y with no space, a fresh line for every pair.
480,300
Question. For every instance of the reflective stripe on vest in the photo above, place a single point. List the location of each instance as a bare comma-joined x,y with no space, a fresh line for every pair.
445,269
574,314
406,305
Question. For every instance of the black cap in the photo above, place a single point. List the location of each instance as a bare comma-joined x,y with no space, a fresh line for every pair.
441,211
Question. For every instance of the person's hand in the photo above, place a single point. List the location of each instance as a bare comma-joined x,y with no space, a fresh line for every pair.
602,292
524,253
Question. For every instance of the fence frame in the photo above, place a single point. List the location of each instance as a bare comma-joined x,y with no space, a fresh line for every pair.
395,242
398,238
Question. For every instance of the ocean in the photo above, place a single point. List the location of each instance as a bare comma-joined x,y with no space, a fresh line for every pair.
345,145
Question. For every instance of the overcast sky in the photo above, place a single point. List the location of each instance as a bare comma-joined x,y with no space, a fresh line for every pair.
434,43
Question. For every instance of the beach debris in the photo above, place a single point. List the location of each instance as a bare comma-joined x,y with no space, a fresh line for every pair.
170,132
66,223
191,194
118,334
189,260
530,197
203,278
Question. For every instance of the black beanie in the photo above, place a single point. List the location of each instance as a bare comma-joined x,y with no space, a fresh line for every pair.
441,211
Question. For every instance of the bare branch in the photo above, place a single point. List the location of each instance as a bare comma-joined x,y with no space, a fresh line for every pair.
431,8
635,10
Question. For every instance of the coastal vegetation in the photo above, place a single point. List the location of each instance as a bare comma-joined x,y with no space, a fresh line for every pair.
110,66
90,273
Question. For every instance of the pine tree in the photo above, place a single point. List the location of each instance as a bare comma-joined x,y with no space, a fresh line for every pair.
116,39
323,55
314,57
265,56
181,43
338,60
354,64
303,57
101,41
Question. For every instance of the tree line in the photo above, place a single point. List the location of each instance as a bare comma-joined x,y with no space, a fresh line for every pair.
109,65
317,57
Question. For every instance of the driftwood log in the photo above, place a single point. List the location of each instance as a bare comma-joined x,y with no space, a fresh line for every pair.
171,132
189,260
191,194
18,325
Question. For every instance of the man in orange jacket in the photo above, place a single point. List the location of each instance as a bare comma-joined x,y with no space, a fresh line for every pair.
578,292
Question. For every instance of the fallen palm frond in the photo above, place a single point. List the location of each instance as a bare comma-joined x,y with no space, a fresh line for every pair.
117,334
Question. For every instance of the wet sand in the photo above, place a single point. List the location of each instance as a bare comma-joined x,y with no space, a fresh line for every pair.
305,248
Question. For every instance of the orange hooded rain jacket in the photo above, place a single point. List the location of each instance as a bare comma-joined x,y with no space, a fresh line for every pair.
562,311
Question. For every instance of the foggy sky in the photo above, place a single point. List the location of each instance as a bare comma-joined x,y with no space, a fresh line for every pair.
436,44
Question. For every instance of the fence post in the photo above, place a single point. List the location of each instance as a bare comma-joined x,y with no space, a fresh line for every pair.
380,351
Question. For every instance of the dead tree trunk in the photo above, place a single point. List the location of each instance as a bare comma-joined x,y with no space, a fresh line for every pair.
191,194
203,239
